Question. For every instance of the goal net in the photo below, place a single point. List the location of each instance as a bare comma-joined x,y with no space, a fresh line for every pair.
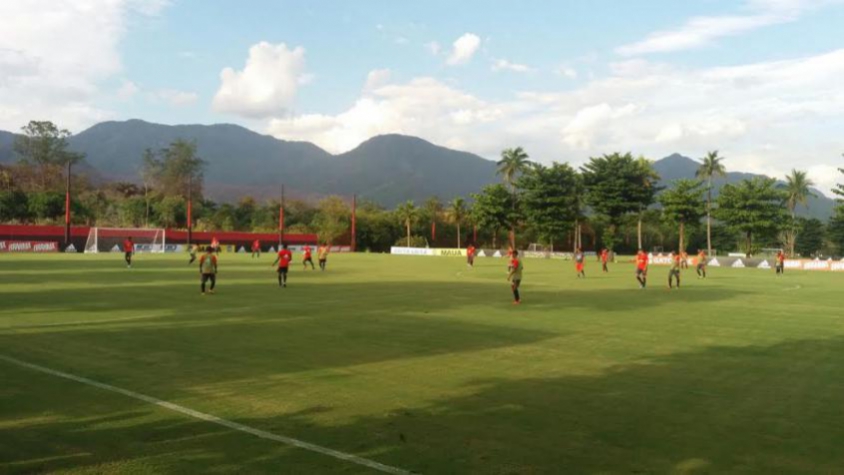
111,240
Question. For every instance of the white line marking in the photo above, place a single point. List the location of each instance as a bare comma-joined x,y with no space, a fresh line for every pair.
213,419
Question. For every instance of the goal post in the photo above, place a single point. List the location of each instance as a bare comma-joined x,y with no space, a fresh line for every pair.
111,240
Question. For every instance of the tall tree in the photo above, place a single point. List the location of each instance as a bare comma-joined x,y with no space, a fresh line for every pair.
839,187
798,190
711,168
333,218
43,145
431,211
812,237
514,162
456,213
150,171
646,195
752,207
614,188
407,213
683,204
550,199
494,209
181,168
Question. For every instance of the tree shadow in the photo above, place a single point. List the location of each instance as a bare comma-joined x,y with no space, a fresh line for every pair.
756,409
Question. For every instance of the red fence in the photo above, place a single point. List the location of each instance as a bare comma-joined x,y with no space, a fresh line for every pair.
79,234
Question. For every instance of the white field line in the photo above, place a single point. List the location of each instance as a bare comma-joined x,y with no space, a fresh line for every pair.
213,419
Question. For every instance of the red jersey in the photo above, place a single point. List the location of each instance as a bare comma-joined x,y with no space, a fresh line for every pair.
215,243
256,245
470,251
284,258
128,246
781,258
307,250
605,256
642,261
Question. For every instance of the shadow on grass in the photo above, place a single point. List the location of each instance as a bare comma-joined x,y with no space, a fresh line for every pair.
763,409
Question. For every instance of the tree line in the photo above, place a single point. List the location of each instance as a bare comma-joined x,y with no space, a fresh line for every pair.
614,201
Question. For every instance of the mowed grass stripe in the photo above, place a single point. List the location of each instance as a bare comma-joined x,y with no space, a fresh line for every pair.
423,364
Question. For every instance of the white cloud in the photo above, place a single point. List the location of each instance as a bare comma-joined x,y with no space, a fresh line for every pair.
566,71
55,55
266,86
703,30
766,117
127,90
504,65
377,78
433,47
463,49
424,107
175,97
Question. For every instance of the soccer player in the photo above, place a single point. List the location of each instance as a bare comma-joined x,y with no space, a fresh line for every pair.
674,273
283,261
515,277
684,260
215,245
322,255
701,264
307,258
781,263
579,263
192,251
470,256
605,257
256,249
510,254
128,251
642,269
208,270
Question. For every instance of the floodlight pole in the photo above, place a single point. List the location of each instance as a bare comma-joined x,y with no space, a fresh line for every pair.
190,209
281,220
67,207
354,244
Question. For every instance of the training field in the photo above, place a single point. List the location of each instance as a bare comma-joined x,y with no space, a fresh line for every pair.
418,364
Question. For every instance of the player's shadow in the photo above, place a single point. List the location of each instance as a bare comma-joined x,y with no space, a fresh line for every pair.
754,409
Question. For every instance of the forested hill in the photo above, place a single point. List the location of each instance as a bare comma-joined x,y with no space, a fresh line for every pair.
388,169
677,166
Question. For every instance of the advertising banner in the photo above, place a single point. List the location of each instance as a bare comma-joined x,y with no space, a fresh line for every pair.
28,246
411,251
450,252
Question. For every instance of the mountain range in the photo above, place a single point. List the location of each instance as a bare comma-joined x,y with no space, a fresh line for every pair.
387,169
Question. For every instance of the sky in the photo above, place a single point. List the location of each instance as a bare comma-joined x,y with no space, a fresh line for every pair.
762,81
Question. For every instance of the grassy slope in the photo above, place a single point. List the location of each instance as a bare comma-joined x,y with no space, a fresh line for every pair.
420,363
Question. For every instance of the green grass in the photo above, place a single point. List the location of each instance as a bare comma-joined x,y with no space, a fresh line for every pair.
421,364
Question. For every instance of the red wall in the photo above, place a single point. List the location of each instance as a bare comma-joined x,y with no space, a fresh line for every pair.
79,234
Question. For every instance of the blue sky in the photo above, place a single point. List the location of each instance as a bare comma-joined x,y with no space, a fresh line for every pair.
758,79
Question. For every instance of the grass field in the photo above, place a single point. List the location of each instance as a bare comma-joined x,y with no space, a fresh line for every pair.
420,364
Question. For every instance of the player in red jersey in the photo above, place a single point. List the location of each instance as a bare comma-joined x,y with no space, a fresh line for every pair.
781,263
208,270
605,257
256,248
215,245
307,258
642,269
128,251
579,262
514,276
283,261
470,256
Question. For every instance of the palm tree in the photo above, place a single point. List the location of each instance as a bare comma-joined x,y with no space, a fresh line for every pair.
407,213
456,214
514,161
709,169
797,189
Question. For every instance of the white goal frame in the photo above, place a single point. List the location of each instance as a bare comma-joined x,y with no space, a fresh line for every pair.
100,239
